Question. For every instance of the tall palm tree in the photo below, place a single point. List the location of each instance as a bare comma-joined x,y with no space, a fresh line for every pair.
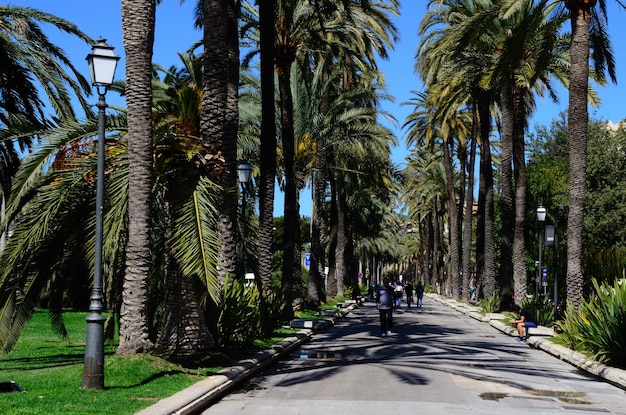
138,20
588,31
529,52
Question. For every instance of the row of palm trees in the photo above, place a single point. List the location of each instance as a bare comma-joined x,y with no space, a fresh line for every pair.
170,237
482,60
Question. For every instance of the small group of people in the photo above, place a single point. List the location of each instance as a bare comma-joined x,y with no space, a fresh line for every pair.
389,297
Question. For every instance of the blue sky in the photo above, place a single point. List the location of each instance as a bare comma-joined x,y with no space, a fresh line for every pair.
175,33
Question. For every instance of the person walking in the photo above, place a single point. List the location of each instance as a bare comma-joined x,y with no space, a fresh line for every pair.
408,289
384,304
419,294
398,290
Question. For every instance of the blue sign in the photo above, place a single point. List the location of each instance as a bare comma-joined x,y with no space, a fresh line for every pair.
544,274
307,260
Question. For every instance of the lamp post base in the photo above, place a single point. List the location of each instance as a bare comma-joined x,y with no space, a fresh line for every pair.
93,371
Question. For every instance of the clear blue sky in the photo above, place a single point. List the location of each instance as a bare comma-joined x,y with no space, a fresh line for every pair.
175,33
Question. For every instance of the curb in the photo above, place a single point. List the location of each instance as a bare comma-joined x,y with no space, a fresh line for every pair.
203,393
612,375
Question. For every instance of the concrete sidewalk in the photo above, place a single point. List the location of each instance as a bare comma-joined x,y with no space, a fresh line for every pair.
204,393
616,377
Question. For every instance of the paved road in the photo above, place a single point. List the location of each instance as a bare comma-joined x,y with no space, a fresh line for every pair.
437,362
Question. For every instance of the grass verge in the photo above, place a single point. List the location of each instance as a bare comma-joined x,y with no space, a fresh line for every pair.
50,371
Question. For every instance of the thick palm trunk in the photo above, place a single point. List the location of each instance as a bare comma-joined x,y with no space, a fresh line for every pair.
317,294
467,219
331,285
485,248
506,203
292,226
267,156
219,116
577,124
519,163
342,265
453,220
184,332
138,20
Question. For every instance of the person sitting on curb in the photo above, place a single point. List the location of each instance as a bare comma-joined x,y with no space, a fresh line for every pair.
526,320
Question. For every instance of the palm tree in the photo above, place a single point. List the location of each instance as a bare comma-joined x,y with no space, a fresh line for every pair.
32,64
181,186
588,30
27,56
138,19
52,183
50,252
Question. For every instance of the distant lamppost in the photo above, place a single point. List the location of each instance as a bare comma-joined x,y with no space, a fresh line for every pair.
541,218
552,239
243,172
102,63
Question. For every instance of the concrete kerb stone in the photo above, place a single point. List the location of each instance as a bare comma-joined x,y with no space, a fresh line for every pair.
203,393
540,340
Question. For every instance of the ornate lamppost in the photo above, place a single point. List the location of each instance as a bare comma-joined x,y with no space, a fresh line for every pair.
541,218
102,63
243,172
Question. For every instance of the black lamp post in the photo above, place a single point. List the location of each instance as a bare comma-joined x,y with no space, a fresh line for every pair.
102,62
541,218
243,172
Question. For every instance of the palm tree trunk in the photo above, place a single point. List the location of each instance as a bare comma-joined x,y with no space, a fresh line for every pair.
506,179
292,225
331,287
138,20
577,123
467,219
453,220
317,292
184,332
519,162
485,249
267,156
219,116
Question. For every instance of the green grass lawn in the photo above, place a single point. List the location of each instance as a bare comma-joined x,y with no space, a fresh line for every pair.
50,371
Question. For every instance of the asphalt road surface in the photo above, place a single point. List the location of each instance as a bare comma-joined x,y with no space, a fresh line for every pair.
438,361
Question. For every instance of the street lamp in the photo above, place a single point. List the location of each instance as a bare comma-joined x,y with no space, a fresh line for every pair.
541,218
243,172
102,62
552,239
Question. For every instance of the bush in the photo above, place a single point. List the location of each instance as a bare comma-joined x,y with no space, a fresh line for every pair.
599,327
239,323
490,304
239,319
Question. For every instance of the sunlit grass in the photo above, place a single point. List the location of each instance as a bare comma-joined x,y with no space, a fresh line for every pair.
50,371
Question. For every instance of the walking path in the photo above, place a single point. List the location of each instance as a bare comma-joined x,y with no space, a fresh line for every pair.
439,361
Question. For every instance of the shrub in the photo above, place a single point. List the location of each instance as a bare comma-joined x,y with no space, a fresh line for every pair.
598,328
239,319
490,304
